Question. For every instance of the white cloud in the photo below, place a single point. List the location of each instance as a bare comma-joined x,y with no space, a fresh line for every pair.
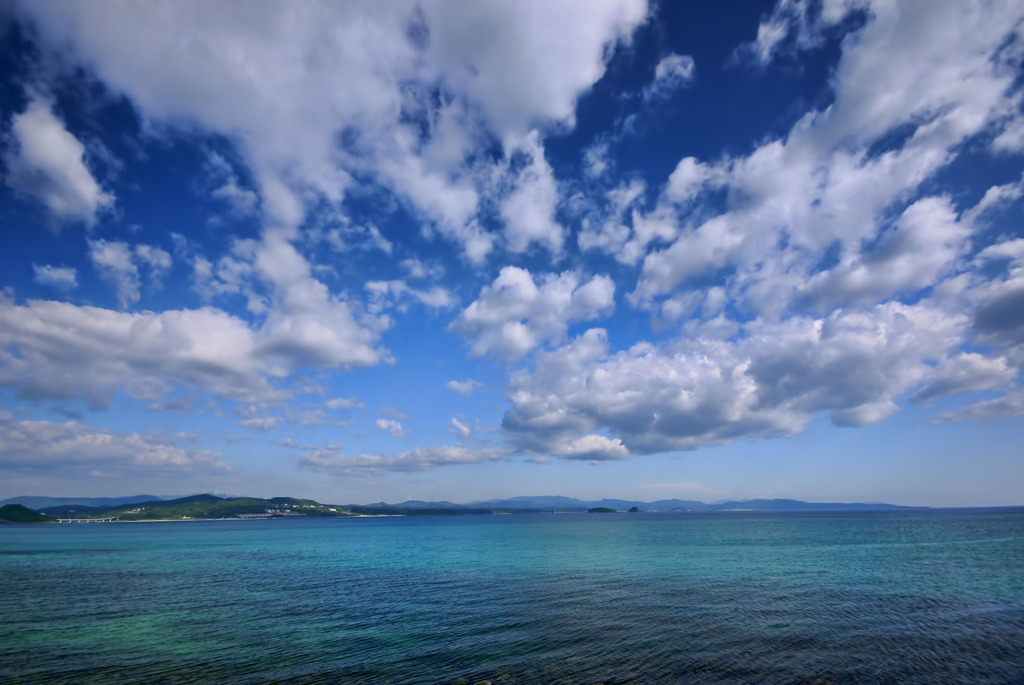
537,59
56,350
307,324
226,186
113,260
1011,250
343,403
701,390
529,209
798,25
831,184
418,269
923,246
392,427
1009,406
995,198
592,447
690,178
515,313
459,429
158,260
672,73
596,159
608,229
965,372
386,294
464,388
47,163
999,317
62,277
419,459
305,417
1011,139
242,201
263,423
118,264
317,96
44,445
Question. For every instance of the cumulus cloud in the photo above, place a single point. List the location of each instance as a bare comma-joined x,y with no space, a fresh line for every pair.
287,85
307,324
769,381
690,178
157,259
420,459
921,248
386,294
593,448
61,277
1009,406
392,427
965,372
263,423
999,317
44,445
226,187
343,403
1010,250
464,388
830,185
113,260
57,350
515,314
529,209
621,229
47,162
418,269
118,264
994,199
1011,139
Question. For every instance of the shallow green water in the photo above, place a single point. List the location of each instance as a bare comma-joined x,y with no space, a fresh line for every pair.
929,597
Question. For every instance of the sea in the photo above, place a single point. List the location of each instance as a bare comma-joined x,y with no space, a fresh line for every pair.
812,598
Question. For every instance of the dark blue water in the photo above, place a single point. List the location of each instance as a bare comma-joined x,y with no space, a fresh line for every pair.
895,597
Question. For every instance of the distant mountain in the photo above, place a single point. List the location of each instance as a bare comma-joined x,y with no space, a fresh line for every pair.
200,507
213,506
555,503
797,505
559,503
42,502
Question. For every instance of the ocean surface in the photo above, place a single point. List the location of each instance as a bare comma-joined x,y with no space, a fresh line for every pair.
873,597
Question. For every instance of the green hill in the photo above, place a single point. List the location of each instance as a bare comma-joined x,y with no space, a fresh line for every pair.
203,507
16,513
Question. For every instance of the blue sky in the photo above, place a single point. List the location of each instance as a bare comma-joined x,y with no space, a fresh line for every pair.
437,250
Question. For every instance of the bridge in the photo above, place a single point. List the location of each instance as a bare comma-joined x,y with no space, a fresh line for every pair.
104,520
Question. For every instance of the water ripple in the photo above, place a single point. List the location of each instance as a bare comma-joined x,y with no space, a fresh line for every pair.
669,599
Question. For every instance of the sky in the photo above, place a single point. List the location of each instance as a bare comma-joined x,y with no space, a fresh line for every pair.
441,250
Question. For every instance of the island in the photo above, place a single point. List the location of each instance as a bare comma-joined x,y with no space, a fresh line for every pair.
206,506
16,513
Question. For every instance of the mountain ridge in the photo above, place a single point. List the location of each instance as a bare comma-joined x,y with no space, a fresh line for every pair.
562,503
40,502
522,503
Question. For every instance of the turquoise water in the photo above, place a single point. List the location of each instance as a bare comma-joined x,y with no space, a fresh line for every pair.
909,597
